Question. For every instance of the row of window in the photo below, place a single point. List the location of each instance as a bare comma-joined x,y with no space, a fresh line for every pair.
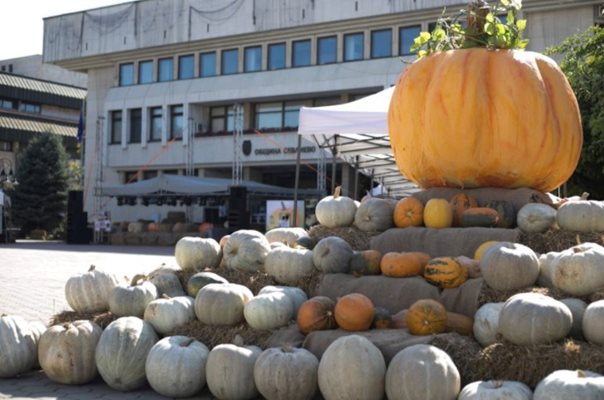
135,116
23,106
326,53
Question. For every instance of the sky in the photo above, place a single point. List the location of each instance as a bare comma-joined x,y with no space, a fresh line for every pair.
22,26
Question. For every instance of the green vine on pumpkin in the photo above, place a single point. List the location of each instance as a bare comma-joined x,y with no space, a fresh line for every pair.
479,25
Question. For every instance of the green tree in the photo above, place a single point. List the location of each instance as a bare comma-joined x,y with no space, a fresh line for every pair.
583,64
39,201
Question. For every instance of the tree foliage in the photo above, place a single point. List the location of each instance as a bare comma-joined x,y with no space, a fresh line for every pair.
583,64
39,201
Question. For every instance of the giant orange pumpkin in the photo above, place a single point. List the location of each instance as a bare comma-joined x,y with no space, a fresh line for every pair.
476,117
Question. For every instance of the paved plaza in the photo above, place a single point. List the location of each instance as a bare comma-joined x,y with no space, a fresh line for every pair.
32,281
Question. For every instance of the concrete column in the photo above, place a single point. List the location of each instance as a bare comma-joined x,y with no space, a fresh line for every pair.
144,126
165,123
186,124
125,124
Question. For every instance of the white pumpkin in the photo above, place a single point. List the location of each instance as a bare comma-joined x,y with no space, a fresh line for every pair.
509,266
422,372
532,319
89,292
289,265
536,217
578,270
295,294
176,366
486,323
196,254
230,371
37,329
496,390
577,309
66,352
335,211
566,385
289,236
593,323
352,368
246,251
122,350
166,314
332,255
222,303
16,351
286,373
581,216
374,214
167,283
131,300
268,311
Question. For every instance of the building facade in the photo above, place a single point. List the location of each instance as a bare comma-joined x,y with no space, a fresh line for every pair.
169,80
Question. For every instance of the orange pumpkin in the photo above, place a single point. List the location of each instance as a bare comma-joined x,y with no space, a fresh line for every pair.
445,272
426,317
460,203
365,262
152,227
409,211
482,248
457,323
204,227
438,214
459,118
404,264
315,314
354,312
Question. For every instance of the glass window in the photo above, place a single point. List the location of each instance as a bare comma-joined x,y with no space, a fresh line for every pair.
135,125
165,68
145,72
149,174
252,59
222,119
327,50
230,61
131,176
406,36
126,74
207,64
353,46
5,103
381,43
186,67
176,122
292,113
269,115
276,56
301,53
29,107
116,127
155,116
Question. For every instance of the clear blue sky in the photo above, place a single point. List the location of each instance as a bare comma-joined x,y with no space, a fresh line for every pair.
21,25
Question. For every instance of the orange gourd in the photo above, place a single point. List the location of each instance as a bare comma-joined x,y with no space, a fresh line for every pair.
366,262
152,227
480,216
409,211
404,264
459,118
354,312
445,272
457,323
459,203
315,314
426,317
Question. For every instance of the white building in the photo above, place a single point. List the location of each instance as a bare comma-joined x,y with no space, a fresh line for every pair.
164,77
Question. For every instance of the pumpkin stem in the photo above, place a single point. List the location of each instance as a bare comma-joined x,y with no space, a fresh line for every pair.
584,196
165,296
67,325
238,341
337,192
497,384
477,17
287,348
137,278
581,374
92,268
187,342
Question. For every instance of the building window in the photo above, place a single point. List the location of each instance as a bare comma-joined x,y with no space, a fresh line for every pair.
5,103
276,56
30,107
327,48
207,64
135,125
301,53
186,67
353,46
149,174
145,71
116,127
6,146
278,115
126,74
406,36
222,119
291,114
165,69
130,176
155,117
176,121
252,59
381,43
230,61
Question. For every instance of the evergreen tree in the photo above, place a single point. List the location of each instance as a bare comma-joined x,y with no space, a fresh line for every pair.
39,201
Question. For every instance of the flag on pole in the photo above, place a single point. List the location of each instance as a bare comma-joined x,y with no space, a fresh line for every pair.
80,133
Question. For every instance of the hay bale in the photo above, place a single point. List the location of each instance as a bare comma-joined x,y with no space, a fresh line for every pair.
528,364
356,238
117,239
101,319
558,240
212,335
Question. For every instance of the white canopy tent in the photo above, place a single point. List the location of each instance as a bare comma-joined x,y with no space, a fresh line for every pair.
358,133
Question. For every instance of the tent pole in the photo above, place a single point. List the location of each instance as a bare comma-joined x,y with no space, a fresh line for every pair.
356,178
297,182
334,151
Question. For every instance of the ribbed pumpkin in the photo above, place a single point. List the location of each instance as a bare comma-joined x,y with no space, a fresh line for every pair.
440,111
365,262
16,346
295,294
404,264
131,300
269,310
167,283
195,254
374,214
509,266
445,272
581,216
90,291
334,211
315,314
245,251
354,312
289,265
288,236
426,317
461,202
496,390
577,308
168,313
332,255
222,303
535,217
486,323
200,279
565,384
438,214
409,211
593,323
